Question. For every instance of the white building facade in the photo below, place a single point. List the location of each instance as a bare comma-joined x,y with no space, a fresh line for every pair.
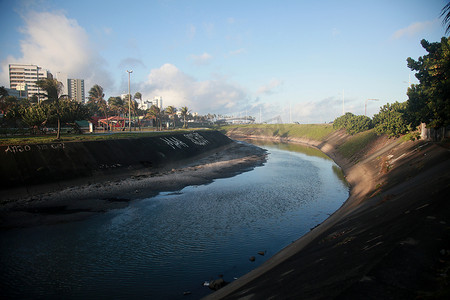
24,77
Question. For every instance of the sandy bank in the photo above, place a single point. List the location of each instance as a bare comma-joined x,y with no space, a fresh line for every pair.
389,240
78,199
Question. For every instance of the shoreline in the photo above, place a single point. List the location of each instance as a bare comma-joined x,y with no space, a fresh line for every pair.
390,224
82,198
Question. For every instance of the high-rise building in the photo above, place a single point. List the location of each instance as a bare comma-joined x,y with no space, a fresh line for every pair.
24,77
158,102
76,89
62,77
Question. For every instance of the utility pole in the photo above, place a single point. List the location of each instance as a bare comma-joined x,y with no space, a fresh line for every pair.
129,101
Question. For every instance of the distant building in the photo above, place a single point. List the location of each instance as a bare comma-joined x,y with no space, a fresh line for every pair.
24,77
62,77
146,104
76,90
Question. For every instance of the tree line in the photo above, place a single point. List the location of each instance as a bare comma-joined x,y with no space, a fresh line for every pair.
58,109
428,102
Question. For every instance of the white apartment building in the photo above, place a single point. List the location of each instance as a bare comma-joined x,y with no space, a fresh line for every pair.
146,104
24,77
75,89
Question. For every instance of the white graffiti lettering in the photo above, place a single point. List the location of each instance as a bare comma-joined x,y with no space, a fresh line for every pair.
196,138
25,148
174,142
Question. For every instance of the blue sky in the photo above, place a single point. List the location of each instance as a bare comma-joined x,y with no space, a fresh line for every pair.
295,59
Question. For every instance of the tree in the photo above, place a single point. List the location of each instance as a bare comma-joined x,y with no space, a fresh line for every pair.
352,124
96,98
343,121
171,111
5,100
117,105
391,119
184,114
36,116
429,101
138,95
445,13
73,111
53,89
154,113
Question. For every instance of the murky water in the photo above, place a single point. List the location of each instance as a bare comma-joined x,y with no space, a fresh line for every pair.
161,247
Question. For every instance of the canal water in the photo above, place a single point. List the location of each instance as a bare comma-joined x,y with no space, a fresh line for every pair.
167,246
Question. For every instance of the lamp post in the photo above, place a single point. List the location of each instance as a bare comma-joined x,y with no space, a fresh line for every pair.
129,101
365,106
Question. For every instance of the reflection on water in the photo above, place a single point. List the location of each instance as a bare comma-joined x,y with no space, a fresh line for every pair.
310,151
162,246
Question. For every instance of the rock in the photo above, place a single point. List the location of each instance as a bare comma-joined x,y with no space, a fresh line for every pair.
217,284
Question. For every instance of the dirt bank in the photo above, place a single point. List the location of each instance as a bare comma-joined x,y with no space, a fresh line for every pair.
390,239
81,197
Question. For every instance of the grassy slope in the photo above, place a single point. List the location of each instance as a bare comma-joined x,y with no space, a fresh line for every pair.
318,132
44,139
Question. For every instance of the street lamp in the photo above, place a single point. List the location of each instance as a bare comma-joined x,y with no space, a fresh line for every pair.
129,101
365,106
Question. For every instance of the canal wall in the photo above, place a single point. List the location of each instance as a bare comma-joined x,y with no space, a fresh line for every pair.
34,164
390,239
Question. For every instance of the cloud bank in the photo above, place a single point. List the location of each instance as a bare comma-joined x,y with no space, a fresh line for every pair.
59,44
179,89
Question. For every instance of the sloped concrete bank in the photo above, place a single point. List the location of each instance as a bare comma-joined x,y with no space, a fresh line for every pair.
52,183
26,165
389,240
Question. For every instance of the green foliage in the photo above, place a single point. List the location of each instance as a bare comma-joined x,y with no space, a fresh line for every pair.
36,116
429,101
353,124
343,122
391,120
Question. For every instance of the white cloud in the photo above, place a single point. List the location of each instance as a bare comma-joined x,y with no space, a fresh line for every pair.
413,29
179,89
202,59
268,89
59,44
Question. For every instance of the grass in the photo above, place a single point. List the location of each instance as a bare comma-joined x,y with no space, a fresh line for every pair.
51,138
357,142
310,131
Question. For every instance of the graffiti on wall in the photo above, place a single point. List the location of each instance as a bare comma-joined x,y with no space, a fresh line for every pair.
27,148
174,142
196,138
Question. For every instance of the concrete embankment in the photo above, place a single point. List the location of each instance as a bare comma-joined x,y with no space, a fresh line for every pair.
36,164
389,240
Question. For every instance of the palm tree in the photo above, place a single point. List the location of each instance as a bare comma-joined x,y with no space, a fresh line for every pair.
138,95
184,114
171,111
117,105
154,113
53,89
96,97
445,12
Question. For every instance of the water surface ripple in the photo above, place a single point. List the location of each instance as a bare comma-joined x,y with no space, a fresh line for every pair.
160,247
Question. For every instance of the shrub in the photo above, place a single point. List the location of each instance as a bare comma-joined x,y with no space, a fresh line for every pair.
352,124
391,120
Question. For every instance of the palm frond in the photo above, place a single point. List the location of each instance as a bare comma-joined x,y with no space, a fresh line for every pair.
445,13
